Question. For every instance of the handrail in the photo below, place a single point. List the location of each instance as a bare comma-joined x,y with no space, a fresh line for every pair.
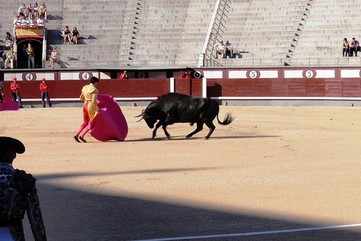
209,32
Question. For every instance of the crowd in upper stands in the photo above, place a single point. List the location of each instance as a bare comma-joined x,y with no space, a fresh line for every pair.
350,48
33,14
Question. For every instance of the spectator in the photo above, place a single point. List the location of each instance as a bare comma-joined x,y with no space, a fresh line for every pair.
352,47
15,92
21,9
9,60
345,48
54,57
67,35
26,12
356,46
220,49
9,40
229,50
75,35
31,56
43,14
123,75
30,12
36,7
44,93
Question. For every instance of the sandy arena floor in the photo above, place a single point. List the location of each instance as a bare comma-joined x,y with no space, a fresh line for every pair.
274,168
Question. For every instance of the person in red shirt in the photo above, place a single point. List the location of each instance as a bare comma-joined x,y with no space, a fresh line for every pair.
15,92
44,93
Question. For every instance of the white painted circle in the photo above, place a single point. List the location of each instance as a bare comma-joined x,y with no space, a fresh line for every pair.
253,74
309,74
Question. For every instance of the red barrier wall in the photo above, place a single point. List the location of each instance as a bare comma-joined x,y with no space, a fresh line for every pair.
284,88
117,88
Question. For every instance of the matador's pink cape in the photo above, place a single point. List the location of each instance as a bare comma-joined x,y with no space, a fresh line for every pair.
9,105
109,123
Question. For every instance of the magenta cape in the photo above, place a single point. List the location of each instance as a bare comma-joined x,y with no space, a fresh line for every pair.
9,105
109,123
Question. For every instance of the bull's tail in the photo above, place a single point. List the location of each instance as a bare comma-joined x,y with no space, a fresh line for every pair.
226,121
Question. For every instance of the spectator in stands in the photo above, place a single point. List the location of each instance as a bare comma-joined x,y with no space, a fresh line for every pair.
67,35
30,12
229,50
9,40
220,49
9,60
75,35
26,12
345,48
356,46
43,14
54,57
36,7
352,47
21,9
123,75
15,92
30,56
44,93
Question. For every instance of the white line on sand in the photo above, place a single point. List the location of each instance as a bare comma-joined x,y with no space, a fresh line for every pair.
296,230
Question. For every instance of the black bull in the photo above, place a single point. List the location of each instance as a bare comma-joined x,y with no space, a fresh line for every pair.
177,108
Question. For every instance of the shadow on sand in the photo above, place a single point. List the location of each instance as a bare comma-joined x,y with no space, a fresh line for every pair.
183,138
84,215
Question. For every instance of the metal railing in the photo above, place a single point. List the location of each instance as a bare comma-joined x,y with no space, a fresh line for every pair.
216,29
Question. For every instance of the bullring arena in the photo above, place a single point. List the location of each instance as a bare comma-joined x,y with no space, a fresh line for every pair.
272,169
286,169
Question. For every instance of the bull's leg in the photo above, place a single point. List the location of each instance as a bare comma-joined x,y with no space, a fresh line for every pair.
165,131
211,128
155,129
199,128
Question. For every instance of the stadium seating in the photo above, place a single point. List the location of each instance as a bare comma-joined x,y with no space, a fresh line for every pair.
330,21
135,33
263,30
118,33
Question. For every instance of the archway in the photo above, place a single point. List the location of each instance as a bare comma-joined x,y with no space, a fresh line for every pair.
22,60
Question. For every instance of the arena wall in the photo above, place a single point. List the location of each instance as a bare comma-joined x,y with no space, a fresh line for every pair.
233,84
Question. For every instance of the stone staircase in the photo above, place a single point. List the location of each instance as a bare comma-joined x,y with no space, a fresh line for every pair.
133,33
330,21
170,33
262,30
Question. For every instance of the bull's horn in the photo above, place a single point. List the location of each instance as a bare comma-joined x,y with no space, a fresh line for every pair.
141,114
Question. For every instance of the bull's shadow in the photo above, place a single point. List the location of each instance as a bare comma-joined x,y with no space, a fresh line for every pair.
183,138
73,214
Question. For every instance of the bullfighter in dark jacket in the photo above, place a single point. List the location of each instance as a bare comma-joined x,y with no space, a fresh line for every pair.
17,195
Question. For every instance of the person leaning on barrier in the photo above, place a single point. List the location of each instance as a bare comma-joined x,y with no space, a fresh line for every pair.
44,93
15,92
18,196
